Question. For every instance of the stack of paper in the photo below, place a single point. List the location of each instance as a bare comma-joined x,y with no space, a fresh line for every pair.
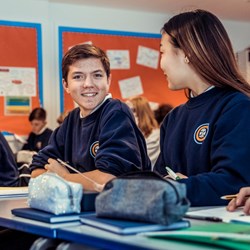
242,219
11,192
216,214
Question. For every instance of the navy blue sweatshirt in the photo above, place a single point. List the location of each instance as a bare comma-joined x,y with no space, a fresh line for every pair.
108,140
208,140
36,142
8,167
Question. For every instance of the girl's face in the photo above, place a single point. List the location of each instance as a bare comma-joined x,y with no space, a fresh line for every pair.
174,64
87,83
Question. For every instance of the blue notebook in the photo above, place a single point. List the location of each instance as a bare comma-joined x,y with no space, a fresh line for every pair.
126,227
38,215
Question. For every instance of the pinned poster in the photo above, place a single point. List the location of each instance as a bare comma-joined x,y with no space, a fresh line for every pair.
130,87
148,57
16,105
17,81
119,59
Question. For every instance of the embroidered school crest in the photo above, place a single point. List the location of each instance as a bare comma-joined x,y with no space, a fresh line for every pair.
94,148
200,133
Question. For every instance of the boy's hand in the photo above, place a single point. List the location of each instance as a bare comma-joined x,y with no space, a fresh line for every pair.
56,167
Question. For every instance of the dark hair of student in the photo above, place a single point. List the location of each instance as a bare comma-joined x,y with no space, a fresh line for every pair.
146,119
204,40
37,114
162,111
84,51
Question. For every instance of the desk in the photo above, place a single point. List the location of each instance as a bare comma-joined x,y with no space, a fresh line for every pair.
86,235
29,226
104,240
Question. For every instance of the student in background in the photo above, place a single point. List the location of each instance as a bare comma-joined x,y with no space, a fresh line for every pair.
61,117
40,134
99,138
146,122
162,111
243,199
9,177
206,140
8,167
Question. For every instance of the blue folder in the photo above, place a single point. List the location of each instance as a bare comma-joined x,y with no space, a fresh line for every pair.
38,215
126,227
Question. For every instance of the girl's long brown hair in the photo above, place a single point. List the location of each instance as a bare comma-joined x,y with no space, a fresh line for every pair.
145,115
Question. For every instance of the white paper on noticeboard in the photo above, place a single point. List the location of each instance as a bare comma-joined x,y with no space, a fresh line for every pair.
17,81
130,87
119,59
148,57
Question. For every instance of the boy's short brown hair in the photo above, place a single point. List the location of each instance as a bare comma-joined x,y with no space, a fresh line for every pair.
84,51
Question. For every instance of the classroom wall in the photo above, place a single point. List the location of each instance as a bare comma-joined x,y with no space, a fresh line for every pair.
51,15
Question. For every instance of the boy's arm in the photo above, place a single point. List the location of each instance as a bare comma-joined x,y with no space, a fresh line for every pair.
37,172
92,180
99,179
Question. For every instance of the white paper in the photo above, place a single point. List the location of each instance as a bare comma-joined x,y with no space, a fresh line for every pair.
243,219
6,192
17,81
219,212
148,57
130,87
119,59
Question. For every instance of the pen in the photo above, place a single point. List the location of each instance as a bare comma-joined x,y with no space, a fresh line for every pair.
231,196
68,166
206,218
98,187
172,174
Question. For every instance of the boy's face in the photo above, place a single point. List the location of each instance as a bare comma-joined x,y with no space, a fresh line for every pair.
87,83
37,126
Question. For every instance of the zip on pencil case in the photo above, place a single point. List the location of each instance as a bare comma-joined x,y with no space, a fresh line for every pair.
143,196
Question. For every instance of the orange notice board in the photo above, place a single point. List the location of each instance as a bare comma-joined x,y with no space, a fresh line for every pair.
134,60
20,74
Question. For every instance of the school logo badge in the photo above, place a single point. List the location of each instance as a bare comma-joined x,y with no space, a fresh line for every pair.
201,133
94,148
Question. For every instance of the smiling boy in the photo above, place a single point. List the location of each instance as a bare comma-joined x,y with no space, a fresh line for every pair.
100,138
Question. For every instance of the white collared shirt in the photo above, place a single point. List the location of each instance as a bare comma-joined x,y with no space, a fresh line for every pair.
211,87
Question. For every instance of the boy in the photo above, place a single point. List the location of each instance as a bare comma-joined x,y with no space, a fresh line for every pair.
40,134
100,138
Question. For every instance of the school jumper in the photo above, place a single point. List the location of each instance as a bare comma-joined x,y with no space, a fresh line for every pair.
108,140
35,142
8,168
208,140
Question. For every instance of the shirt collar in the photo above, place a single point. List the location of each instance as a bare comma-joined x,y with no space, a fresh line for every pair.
209,88
42,130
